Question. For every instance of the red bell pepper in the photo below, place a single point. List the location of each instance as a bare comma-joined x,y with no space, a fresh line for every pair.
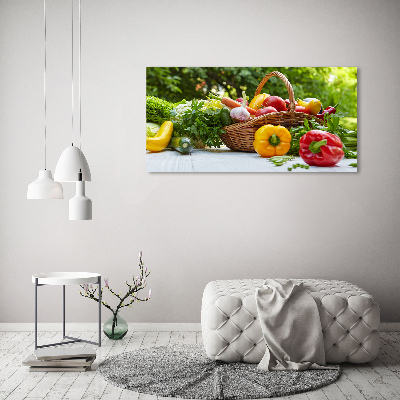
321,149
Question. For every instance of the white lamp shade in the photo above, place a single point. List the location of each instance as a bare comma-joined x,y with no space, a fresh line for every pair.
71,161
80,206
44,187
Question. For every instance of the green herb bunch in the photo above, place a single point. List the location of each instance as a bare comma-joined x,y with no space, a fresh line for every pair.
199,123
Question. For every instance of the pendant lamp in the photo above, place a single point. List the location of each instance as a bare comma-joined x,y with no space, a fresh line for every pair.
80,206
44,186
72,162
72,165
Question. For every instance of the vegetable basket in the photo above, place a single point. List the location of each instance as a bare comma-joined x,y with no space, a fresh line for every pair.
240,136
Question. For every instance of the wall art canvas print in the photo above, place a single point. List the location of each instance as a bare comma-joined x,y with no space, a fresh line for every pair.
251,119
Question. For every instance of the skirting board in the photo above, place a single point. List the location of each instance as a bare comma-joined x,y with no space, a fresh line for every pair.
93,326
390,326
138,327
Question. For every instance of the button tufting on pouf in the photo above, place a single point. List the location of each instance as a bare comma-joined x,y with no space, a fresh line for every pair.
231,330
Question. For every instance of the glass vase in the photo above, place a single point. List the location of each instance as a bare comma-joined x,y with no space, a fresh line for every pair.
115,327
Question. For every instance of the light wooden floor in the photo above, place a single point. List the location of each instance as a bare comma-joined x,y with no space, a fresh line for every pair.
379,379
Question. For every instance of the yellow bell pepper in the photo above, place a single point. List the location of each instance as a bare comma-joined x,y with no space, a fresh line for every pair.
161,140
313,106
271,140
258,100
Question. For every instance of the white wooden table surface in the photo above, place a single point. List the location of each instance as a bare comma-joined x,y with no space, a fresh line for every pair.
225,160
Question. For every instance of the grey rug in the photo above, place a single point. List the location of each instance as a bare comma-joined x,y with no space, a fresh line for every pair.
185,371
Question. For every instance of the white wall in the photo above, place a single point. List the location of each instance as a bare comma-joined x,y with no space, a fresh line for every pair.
192,228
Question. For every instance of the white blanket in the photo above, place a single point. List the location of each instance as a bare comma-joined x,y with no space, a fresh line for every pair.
291,327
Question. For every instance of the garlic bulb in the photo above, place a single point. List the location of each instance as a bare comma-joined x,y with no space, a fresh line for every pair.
240,113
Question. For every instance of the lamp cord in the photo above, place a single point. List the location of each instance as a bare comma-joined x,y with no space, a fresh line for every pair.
79,85
79,88
44,84
72,68
79,77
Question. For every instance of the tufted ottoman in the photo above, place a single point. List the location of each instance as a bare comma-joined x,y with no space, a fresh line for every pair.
231,330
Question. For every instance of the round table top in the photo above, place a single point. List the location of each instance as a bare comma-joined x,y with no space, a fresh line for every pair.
66,278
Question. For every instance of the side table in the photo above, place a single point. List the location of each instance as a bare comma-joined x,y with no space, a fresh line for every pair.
66,278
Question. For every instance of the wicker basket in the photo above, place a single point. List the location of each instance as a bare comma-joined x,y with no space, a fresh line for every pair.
240,136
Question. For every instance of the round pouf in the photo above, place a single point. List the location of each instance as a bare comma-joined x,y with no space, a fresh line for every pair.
185,371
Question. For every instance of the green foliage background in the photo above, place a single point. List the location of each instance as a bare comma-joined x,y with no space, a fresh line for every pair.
329,84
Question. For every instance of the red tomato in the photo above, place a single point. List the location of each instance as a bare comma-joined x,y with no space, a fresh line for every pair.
276,102
301,109
265,110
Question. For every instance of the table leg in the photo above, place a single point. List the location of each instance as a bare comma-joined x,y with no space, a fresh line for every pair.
36,286
73,339
63,311
100,311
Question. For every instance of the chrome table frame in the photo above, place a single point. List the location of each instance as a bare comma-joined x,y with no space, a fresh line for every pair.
72,339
